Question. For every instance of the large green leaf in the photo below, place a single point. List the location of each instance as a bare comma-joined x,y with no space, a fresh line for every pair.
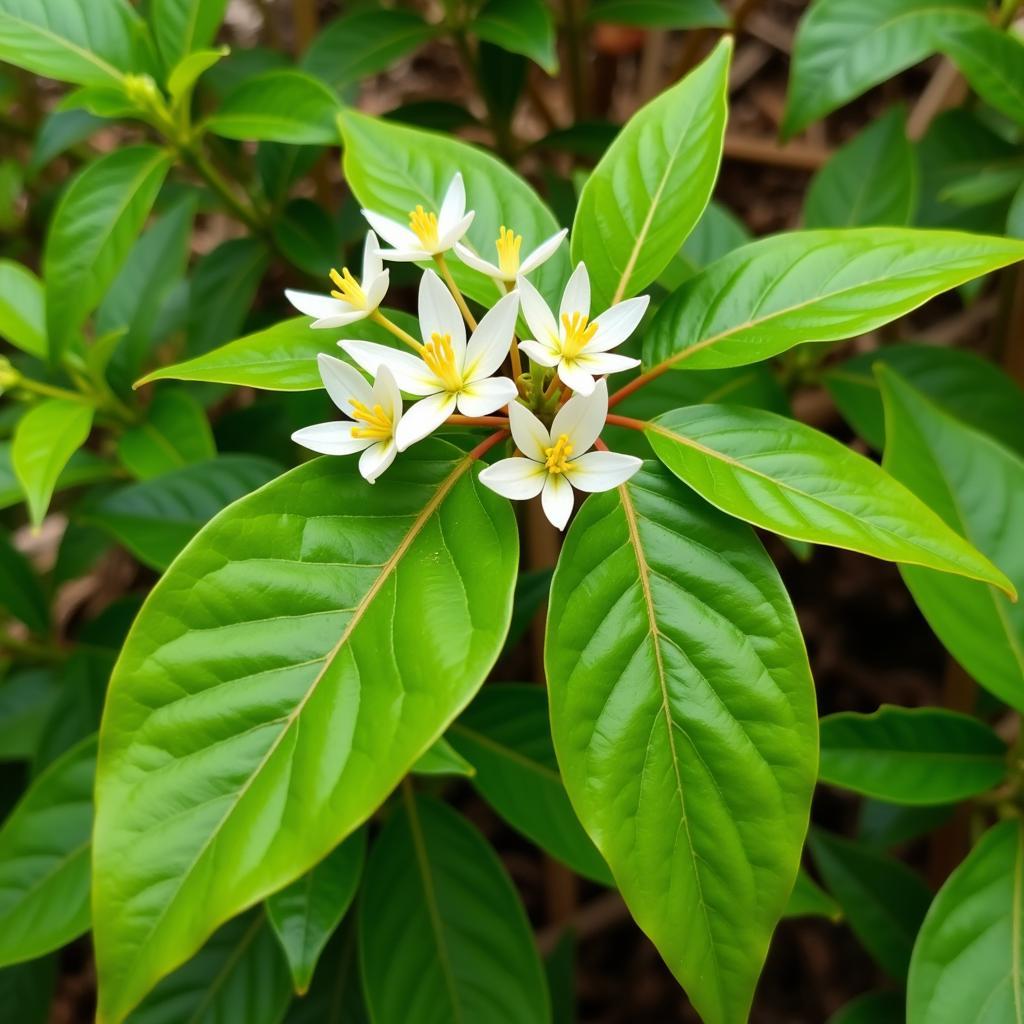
20,591
442,934
92,230
175,433
682,711
505,735
652,185
911,755
182,26
968,963
784,476
519,26
991,60
264,682
659,13
812,286
977,486
22,309
44,859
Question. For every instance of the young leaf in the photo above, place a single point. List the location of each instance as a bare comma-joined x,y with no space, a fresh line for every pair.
968,961
992,60
22,309
184,75
977,486
808,899
812,286
442,934
659,13
519,26
44,859
652,185
183,26
256,669
911,755
82,468
20,590
174,434
44,440
789,478
506,736
682,711
305,914
442,759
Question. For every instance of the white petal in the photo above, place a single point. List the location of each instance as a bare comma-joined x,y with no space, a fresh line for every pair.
376,459
392,232
537,312
318,306
576,377
331,439
605,362
539,353
372,264
601,471
543,252
490,343
446,239
453,206
530,435
339,319
615,325
582,418
482,397
556,500
343,383
375,289
576,297
519,479
440,315
423,418
413,375
471,259
385,392
413,255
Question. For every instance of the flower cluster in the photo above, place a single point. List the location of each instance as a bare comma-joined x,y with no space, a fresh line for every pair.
555,412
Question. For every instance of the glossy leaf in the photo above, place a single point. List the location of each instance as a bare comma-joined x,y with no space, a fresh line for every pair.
182,26
83,467
187,71
175,433
22,309
717,233
652,185
992,60
789,478
519,26
812,286
682,711
255,669
20,591
44,859
442,759
442,934
505,735
659,13
911,755
808,899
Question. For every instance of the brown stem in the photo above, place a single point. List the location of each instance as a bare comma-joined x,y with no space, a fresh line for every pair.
636,383
626,421
478,421
487,444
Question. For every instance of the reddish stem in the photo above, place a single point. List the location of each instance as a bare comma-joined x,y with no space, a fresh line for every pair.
487,444
478,421
636,383
626,421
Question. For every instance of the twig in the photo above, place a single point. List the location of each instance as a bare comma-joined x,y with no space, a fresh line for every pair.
755,150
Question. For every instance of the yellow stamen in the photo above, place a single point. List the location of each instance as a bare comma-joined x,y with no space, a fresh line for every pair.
440,358
424,227
576,333
348,288
378,423
558,455
508,246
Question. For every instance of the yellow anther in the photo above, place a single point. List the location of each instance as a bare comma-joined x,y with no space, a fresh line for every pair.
558,455
508,246
576,333
440,358
424,227
378,422
348,288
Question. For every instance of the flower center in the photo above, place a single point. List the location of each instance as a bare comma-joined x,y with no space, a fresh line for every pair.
378,422
348,289
508,246
440,358
424,227
576,334
558,455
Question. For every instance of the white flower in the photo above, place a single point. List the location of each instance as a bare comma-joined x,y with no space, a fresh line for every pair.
375,414
508,267
578,346
351,301
428,233
449,373
555,461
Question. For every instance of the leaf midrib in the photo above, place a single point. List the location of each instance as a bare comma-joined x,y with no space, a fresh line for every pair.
87,55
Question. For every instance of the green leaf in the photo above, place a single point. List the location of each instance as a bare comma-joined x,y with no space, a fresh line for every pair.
659,13
281,106
812,286
44,859
256,669
26,697
717,233
442,759
83,41
391,168
650,188
26,990
442,934
22,309
306,237
870,180
872,1008
911,755
305,914
789,478
505,734
44,440
519,26
682,711
808,899
977,486
883,901
82,468
336,995
187,71
98,218
991,60
842,49
175,433
182,26
60,130
885,825
20,591
968,963
156,518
